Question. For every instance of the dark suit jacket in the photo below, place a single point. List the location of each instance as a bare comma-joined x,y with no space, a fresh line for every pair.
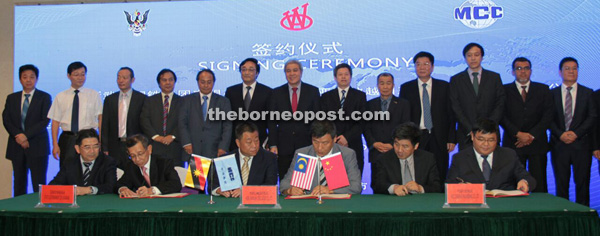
36,123
260,102
507,170
532,116
596,145
162,175
103,175
291,135
356,100
110,120
389,172
468,107
584,118
207,136
442,116
263,170
151,121
382,131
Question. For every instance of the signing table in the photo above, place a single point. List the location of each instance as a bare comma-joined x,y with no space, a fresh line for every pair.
537,214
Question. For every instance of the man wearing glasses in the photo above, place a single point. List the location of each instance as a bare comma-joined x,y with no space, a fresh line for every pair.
497,167
92,171
527,116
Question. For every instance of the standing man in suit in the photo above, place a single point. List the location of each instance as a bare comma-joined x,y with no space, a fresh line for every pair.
257,166
159,119
497,167
571,133
349,132
406,169
147,174
24,118
287,136
91,170
201,133
323,143
249,96
379,133
121,117
431,110
527,116
475,93
596,146
74,109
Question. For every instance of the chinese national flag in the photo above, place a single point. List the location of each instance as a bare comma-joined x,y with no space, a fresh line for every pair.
335,171
197,172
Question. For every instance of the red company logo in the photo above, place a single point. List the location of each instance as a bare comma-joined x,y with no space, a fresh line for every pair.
293,20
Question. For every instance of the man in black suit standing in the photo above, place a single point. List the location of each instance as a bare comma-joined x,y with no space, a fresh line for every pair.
571,133
24,118
147,174
431,110
159,119
497,167
257,166
249,96
287,136
378,133
343,97
121,117
475,93
406,169
91,170
527,116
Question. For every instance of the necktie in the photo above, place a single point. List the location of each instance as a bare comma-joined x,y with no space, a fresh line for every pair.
322,179
294,99
343,98
86,173
75,113
165,114
475,82
406,176
204,106
245,170
123,116
568,109
384,104
486,169
146,176
426,109
24,111
247,98
524,93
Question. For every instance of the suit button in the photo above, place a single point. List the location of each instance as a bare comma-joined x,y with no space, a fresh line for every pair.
293,132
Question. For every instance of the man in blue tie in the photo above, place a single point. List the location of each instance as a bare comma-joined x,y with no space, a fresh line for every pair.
485,162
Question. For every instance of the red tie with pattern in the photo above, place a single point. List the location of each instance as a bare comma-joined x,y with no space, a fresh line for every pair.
165,114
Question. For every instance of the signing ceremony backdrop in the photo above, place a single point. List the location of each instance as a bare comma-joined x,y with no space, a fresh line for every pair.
371,36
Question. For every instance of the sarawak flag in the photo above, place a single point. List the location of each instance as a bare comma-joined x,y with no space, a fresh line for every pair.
197,172
335,171
304,171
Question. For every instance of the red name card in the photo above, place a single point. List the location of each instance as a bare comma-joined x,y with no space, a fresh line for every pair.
465,193
259,195
57,194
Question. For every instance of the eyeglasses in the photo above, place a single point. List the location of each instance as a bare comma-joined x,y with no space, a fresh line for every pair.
520,68
482,140
248,69
89,148
139,154
423,64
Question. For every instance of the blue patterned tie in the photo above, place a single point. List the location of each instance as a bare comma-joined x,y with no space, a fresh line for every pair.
486,169
426,109
568,108
384,104
86,173
24,111
204,106
343,98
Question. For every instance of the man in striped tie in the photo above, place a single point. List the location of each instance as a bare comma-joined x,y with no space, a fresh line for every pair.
91,170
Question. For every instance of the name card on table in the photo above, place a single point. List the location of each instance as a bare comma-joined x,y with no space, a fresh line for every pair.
465,196
58,196
259,197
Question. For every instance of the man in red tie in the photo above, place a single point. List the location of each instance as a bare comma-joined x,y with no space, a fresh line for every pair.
147,174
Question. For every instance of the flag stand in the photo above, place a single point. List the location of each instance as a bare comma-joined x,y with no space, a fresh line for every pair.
320,200
211,184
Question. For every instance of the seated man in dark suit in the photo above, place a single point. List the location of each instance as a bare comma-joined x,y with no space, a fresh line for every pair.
92,171
406,169
256,165
146,174
497,167
323,144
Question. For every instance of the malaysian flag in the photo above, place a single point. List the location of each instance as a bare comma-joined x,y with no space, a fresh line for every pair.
304,171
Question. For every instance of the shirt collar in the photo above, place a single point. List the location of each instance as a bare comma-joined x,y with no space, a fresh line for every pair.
32,91
519,84
129,92
421,82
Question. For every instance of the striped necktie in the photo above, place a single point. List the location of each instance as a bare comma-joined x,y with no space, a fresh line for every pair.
86,173
24,111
